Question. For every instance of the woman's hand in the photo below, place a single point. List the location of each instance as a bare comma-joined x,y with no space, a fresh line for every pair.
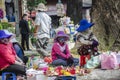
69,56
35,34
19,62
70,60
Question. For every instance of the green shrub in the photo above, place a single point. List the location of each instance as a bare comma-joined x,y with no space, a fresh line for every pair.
33,40
5,25
1,26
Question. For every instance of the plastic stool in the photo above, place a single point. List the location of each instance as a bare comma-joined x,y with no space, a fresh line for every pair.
13,77
67,78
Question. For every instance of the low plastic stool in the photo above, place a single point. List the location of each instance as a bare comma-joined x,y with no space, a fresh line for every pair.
13,77
67,78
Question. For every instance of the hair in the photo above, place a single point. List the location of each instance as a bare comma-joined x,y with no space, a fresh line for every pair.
24,15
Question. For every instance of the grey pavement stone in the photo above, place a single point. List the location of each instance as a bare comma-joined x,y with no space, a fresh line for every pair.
98,74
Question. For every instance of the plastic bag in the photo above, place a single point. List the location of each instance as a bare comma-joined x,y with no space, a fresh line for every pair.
93,62
109,61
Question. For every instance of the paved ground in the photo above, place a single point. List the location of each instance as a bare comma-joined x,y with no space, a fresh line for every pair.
98,74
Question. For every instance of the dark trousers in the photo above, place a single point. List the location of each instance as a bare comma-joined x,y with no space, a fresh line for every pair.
25,39
15,68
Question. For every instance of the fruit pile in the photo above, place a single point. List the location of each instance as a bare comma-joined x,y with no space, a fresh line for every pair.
66,71
48,60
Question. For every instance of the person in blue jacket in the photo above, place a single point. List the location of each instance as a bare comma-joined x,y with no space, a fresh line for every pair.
17,47
19,51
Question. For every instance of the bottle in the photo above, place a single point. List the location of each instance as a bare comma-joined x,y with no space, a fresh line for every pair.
30,63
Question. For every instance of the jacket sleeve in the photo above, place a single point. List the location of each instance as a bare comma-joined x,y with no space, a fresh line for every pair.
37,20
68,52
8,55
84,41
27,26
94,38
57,50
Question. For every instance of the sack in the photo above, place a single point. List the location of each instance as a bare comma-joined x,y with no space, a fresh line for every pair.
109,61
93,62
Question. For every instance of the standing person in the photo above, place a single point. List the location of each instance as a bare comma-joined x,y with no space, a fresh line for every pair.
60,52
24,30
9,61
42,28
88,41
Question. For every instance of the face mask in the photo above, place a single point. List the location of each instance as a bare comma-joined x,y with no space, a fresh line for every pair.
4,40
61,40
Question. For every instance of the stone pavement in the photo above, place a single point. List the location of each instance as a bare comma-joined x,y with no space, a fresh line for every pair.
98,74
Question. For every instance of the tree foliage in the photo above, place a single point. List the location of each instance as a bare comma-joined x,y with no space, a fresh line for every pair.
31,4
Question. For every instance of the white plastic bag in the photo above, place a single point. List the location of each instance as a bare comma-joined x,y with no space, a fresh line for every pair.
93,62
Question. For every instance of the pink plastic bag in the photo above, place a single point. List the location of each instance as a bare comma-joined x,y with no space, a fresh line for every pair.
118,58
109,61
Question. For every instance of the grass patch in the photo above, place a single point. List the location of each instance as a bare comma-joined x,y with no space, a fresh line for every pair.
32,55
74,52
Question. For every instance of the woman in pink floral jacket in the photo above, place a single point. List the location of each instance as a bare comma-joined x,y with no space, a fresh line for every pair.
60,52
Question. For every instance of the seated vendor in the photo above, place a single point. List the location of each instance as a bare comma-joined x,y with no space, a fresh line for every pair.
87,42
60,52
9,61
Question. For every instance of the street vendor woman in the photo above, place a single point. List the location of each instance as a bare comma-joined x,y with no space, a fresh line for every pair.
9,61
60,52
86,42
